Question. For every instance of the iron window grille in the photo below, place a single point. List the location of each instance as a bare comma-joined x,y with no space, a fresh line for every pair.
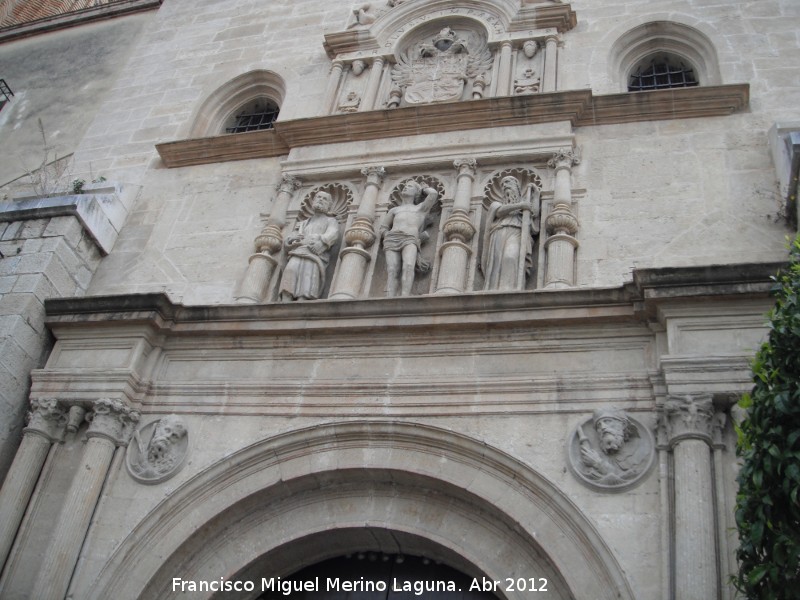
5,93
253,118
662,75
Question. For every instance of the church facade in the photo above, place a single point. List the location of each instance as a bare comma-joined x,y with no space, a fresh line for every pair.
429,298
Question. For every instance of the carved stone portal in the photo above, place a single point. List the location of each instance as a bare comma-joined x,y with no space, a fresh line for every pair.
158,450
610,451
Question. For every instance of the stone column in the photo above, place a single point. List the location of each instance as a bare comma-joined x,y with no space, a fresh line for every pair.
688,420
550,63
504,70
262,264
45,426
359,237
111,426
374,81
561,225
334,79
458,231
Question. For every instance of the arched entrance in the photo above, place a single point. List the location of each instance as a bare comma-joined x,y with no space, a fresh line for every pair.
311,495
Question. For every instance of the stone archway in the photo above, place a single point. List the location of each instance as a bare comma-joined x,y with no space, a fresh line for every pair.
478,508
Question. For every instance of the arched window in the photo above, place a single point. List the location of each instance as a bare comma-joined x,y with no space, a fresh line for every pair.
248,102
661,71
661,55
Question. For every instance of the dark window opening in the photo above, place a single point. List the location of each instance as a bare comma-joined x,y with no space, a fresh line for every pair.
260,114
662,74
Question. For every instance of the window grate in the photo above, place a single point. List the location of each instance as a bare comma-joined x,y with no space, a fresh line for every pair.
662,75
5,93
253,119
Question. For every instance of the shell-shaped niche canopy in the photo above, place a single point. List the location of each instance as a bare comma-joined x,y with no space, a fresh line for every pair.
493,192
341,195
424,181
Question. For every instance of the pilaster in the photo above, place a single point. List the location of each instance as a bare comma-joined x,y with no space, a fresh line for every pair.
561,224
458,231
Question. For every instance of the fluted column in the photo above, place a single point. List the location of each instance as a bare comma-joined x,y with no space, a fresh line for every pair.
111,426
45,426
550,63
359,237
458,231
261,265
374,81
334,79
688,420
561,225
504,70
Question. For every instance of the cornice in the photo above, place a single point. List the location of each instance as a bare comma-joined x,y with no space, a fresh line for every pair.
579,107
77,17
631,303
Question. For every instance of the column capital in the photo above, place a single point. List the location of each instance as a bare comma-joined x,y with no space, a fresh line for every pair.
112,419
374,175
288,184
688,417
565,158
466,166
47,418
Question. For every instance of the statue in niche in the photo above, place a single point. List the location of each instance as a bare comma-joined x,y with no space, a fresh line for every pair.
309,252
437,71
614,453
511,226
527,84
403,232
158,449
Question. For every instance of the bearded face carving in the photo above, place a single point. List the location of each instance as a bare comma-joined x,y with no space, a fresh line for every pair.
157,450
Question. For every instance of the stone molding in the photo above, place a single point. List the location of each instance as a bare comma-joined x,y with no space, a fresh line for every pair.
470,467
580,107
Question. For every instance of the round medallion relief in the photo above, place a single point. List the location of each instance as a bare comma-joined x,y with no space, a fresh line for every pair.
157,451
610,451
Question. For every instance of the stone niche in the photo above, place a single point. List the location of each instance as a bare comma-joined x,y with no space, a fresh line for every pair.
408,54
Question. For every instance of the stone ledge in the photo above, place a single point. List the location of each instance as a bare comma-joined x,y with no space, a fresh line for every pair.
90,210
479,309
579,107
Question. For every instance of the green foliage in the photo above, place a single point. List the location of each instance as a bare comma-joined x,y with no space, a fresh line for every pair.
767,507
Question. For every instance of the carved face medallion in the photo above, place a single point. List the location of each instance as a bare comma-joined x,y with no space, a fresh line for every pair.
157,450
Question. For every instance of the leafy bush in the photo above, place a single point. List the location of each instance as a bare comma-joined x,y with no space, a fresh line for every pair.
767,508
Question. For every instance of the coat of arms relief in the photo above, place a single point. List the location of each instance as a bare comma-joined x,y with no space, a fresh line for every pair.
439,70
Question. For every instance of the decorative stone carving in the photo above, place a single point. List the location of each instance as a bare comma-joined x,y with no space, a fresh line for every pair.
77,415
158,450
350,104
530,48
393,3
112,419
363,16
47,418
561,223
309,248
610,451
511,226
527,84
358,67
403,233
689,417
437,71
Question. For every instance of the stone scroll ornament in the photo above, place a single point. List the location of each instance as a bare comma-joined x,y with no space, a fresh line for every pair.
157,450
610,451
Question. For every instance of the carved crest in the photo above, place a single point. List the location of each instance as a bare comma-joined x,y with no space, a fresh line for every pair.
437,71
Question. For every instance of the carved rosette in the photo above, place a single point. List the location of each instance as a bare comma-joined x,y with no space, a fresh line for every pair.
689,417
112,419
47,418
